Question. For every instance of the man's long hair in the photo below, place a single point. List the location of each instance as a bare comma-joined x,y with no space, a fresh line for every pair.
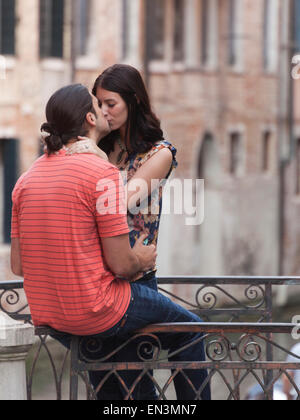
66,115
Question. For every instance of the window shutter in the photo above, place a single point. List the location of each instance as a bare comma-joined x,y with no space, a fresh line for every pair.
156,15
204,31
179,31
232,53
57,28
51,28
45,28
7,27
125,27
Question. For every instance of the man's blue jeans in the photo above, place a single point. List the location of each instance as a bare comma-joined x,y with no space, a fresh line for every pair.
147,306
112,389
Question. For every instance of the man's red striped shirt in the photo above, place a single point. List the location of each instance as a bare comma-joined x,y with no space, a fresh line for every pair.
61,210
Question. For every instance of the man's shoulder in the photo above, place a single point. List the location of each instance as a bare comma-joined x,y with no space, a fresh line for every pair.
18,186
30,171
96,164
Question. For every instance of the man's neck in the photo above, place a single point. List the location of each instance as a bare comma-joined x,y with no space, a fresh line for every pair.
91,135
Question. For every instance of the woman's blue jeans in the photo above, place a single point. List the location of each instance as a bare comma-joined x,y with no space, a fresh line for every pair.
147,306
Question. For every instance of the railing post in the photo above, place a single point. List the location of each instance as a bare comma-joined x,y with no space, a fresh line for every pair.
16,339
73,371
269,347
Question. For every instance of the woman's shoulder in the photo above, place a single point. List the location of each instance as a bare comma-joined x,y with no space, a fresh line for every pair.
142,158
157,147
163,144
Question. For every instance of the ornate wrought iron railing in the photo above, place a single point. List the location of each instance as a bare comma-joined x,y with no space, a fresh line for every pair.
243,344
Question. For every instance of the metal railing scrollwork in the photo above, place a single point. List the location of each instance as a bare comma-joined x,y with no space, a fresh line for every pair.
243,344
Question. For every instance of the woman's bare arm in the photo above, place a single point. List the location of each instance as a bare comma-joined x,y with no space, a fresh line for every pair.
148,176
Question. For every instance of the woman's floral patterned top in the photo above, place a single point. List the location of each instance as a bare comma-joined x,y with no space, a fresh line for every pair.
148,213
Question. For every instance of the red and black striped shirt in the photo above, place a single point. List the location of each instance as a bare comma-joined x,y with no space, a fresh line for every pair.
62,207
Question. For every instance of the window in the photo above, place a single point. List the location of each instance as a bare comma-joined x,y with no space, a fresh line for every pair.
209,169
209,32
156,19
205,170
125,28
232,52
207,161
51,28
166,30
235,22
266,28
298,167
178,50
131,32
236,154
270,34
184,33
8,176
84,45
266,149
204,32
83,17
7,27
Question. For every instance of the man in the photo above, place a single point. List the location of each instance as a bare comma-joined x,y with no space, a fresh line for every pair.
70,242
67,268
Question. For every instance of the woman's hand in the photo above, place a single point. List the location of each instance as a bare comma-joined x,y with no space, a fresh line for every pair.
146,254
86,145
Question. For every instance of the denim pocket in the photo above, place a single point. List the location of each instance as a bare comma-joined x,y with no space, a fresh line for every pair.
112,331
121,324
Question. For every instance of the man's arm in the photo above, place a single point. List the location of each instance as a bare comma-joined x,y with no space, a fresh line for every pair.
125,261
15,257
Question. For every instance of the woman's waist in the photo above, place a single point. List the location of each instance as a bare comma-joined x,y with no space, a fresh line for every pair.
145,276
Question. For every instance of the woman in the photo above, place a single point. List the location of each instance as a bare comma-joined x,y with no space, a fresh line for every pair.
137,147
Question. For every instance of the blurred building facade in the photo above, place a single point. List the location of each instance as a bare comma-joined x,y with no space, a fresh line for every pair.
219,76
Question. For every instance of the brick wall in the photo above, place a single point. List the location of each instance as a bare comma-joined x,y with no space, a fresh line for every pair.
240,231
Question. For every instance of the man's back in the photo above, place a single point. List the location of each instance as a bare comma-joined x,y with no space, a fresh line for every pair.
67,282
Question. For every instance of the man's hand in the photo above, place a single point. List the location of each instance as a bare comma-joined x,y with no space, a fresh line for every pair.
146,254
124,261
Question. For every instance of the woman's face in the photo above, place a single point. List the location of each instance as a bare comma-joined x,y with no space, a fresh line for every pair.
114,108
